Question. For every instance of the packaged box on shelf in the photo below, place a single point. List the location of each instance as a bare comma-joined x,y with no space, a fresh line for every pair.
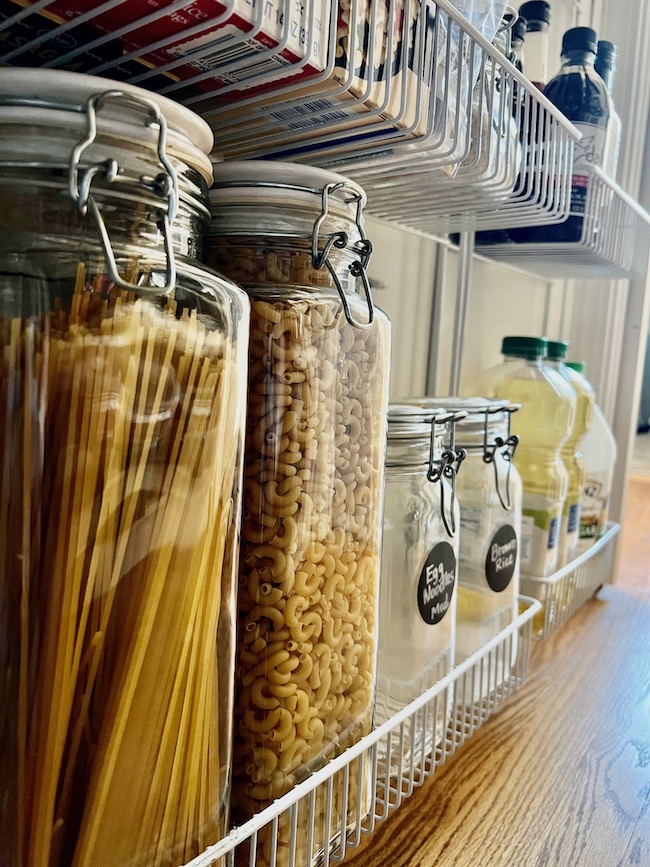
381,81
209,34
375,80
18,36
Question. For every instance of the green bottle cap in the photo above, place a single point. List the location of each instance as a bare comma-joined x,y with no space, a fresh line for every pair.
578,366
524,347
557,349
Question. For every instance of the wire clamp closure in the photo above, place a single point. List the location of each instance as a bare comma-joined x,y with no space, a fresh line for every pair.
447,467
164,185
340,240
506,448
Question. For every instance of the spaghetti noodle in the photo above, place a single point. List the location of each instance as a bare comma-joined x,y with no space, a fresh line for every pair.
120,452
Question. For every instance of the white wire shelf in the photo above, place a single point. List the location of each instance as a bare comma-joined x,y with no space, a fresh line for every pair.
612,241
404,96
569,588
328,814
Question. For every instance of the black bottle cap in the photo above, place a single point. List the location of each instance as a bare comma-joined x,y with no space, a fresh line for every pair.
580,39
606,54
519,29
537,13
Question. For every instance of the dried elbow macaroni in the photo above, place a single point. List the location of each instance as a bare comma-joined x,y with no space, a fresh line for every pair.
309,557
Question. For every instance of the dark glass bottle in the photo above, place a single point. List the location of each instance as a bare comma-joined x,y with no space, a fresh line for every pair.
581,94
517,42
538,17
605,66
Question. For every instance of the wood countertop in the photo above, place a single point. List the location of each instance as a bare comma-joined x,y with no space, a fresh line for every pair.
560,776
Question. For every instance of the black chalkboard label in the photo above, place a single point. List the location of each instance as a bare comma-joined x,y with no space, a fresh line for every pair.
501,558
436,584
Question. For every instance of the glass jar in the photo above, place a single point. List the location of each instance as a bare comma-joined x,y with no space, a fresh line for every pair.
314,465
122,375
417,622
489,492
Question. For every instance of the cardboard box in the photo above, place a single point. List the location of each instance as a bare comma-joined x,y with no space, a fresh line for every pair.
355,100
207,36
21,33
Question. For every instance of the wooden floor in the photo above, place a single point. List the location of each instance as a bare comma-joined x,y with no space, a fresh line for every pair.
634,570
560,777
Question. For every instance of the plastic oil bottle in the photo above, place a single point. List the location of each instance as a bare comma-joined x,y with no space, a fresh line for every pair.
542,425
571,454
599,451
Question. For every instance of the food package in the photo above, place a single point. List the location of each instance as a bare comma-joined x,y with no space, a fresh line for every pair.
377,98
213,36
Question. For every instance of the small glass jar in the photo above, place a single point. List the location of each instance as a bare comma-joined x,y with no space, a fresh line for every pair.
122,381
292,236
490,493
417,611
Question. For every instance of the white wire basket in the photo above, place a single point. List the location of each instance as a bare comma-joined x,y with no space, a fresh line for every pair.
614,241
569,588
328,814
404,96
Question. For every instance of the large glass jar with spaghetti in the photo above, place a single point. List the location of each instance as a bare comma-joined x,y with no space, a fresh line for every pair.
122,385
318,388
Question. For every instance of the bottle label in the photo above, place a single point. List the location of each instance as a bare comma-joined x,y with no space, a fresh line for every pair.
526,540
474,529
540,533
436,584
579,187
501,558
595,506
589,152
589,529
569,531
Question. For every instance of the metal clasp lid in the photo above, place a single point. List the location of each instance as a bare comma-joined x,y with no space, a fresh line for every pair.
340,240
446,466
504,447
163,185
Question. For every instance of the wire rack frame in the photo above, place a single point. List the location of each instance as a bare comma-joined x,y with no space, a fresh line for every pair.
382,91
322,818
614,242
517,171
564,592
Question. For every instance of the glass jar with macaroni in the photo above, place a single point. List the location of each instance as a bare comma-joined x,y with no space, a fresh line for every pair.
122,384
419,566
292,237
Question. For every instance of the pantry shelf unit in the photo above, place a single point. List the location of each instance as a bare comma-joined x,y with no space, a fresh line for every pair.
614,243
386,766
566,590
404,96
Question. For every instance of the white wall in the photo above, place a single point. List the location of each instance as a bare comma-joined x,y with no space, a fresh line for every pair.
401,274
500,302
